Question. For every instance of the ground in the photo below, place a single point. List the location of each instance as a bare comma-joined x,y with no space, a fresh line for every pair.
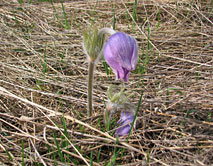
43,85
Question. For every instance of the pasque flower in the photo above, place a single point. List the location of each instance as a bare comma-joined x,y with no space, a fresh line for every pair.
121,53
118,103
125,123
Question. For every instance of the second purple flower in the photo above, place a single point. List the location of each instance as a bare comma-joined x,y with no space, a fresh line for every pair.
125,123
121,53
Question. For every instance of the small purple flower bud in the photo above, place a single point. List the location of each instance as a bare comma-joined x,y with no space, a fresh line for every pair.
125,123
121,53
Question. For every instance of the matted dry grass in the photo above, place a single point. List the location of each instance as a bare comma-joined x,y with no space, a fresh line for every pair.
175,121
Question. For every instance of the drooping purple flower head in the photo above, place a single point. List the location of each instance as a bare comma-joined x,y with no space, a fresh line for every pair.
125,123
121,53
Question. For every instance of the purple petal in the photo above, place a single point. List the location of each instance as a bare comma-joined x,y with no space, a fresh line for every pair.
125,123
122,131
127,116
121,53
121,46
123,74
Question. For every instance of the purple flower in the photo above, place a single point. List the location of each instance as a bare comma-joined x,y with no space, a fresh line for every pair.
121,53
125,123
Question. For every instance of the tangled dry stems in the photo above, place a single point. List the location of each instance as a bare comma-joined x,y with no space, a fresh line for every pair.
44,71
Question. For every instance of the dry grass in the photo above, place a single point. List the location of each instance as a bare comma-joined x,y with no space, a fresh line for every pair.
43,73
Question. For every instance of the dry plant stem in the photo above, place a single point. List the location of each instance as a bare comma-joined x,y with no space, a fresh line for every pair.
4,91
90,87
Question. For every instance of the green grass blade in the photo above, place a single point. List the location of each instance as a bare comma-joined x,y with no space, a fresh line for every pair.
136,113
65,15
22,152
58,148
45,62
8,154
91,163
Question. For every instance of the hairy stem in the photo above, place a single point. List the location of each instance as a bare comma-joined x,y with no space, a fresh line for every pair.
92,62
90,88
